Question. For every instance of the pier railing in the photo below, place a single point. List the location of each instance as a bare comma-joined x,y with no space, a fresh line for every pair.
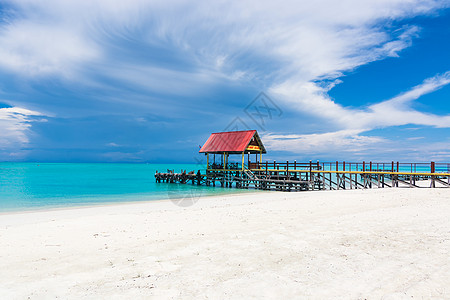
267,166
228,166
285,165
392,166
431,167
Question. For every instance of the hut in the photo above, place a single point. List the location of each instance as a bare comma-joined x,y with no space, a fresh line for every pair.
224,144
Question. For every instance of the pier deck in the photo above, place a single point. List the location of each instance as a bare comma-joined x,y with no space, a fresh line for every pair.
315,176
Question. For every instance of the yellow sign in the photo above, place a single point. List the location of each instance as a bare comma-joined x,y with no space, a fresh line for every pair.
251,147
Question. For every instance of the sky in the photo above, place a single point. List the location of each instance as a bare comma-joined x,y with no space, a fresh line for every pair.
148,81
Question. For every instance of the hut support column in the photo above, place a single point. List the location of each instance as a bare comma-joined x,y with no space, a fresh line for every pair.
243,158
260,156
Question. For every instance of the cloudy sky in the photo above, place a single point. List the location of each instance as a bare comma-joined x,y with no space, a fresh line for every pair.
148,81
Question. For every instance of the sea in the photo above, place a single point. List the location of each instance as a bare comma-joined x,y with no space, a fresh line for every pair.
36,186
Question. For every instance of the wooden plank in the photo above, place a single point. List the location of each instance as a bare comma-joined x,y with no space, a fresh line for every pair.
443,182
407,183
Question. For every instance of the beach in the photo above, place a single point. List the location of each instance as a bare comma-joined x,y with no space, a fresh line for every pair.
352,244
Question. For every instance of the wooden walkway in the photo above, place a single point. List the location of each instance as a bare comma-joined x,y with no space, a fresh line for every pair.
293,176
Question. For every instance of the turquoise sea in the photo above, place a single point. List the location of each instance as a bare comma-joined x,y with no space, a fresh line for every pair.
31,186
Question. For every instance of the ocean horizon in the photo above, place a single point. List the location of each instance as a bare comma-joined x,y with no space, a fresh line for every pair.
35,186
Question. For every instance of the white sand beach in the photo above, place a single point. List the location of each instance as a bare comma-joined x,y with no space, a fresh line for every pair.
357,244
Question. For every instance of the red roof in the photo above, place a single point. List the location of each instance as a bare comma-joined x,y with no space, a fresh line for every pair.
232,141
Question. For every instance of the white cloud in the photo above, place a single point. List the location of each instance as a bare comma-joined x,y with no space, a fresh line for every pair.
39,49
352,122
312,98
15,123
398,110
343,140
286,46
305,40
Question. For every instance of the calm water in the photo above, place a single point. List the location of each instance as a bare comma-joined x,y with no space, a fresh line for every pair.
25,186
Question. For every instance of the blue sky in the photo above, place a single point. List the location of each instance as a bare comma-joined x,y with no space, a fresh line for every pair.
148,81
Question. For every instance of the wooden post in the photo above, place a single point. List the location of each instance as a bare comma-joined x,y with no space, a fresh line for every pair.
338,178
323,176
433,170
287,169
343,174
207,161
330,180
398,168
363,175
243,158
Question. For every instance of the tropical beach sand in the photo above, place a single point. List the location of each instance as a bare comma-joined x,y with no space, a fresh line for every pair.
382,243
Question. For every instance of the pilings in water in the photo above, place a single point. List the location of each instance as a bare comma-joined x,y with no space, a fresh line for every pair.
171,177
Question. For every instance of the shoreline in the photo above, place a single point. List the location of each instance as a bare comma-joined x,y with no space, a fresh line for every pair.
378,243
113,203
225,193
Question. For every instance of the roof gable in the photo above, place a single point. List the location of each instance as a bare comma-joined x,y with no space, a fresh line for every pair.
232,142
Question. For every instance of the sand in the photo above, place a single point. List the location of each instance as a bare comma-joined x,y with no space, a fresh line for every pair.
374,244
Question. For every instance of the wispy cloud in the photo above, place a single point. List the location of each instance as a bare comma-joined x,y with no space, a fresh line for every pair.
305,41
398,110
112,144
43,49
353,122
15,123
317,144
297,50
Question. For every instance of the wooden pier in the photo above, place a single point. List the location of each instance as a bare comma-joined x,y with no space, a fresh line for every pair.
294,176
